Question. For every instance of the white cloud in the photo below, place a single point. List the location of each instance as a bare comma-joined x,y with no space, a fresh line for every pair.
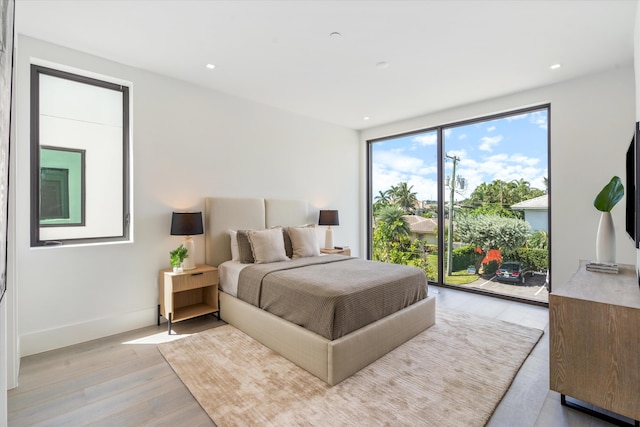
501,157
487,142
427,139
518,117
396,161
428,170
391,167
539,119
522,159
426,189
491,128
385,178
499,166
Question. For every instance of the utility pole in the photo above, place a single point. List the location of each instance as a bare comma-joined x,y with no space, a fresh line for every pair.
452,186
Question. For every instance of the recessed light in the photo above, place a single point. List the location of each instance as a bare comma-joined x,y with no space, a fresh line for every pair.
210,66
382,65
335,35
554,66
365,118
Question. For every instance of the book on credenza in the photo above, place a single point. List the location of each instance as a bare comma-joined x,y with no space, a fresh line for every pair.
341,247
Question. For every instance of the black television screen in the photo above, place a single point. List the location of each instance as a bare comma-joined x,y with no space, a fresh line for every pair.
632,214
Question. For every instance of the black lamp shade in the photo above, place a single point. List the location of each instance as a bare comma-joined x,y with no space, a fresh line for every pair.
328,218
186,224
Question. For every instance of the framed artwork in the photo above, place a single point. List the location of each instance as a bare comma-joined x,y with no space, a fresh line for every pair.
7,19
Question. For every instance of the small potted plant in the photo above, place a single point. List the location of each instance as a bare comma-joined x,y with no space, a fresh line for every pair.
177,257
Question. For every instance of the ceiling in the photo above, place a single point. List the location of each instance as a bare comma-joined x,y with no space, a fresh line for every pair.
392,60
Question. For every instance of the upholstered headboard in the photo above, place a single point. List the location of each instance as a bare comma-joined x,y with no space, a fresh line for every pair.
225,213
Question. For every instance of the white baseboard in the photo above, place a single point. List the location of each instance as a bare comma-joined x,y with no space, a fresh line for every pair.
51,339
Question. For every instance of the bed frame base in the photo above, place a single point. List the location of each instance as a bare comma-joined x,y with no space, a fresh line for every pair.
331,361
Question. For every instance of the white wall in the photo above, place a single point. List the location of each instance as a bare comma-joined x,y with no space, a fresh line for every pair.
537,219
226,146
188,143
592,122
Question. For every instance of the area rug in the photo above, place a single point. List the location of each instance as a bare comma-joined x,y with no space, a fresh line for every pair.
453,374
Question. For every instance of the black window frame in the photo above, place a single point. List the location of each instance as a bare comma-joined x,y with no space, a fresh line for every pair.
36,71
441,176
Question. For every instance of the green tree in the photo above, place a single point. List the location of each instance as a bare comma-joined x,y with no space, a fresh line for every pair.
392,217
538,240
392,244
389,245
428,213
503,193
496,209
382,199
404,197
479,196
492,232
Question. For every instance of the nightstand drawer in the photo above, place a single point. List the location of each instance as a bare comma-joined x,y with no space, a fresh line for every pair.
186,281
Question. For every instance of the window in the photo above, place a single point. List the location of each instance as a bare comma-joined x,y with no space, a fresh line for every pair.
61,187
467,202
79,159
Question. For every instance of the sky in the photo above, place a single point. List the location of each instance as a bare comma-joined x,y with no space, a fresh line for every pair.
509,148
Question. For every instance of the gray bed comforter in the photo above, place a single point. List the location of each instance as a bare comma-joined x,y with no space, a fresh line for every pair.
331,295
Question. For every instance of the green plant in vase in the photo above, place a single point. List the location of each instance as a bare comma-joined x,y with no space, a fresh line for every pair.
610,195
177,258
606,199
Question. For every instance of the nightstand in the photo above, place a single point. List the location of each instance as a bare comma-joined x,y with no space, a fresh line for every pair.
342,251
183,296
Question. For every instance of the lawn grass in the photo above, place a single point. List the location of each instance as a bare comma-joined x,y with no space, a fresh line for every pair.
460,277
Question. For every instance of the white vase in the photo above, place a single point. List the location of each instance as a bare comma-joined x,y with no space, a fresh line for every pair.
606,239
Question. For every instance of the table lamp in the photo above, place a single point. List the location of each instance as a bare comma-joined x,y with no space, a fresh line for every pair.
187,224
328,217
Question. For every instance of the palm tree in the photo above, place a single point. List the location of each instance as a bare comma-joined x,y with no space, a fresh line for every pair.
480,195
383,197
392,216
520,190
404,197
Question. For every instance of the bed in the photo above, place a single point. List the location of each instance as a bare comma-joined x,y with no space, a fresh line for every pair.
331,358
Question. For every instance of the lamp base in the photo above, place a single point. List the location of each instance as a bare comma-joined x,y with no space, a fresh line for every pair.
328,238
189,262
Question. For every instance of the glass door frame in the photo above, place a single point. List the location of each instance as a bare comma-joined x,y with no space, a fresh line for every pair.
441,194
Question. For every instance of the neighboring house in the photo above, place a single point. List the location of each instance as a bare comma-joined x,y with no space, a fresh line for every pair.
424,229
535,212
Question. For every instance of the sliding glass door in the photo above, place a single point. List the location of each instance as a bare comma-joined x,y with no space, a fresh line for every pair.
404,192
467,202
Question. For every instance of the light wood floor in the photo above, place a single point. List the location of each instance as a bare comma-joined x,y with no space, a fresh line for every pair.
124,381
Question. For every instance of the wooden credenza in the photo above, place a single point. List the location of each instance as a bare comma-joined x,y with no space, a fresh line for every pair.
594,340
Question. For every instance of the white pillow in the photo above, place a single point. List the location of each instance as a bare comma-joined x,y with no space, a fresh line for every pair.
235,255
304,242
267,245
